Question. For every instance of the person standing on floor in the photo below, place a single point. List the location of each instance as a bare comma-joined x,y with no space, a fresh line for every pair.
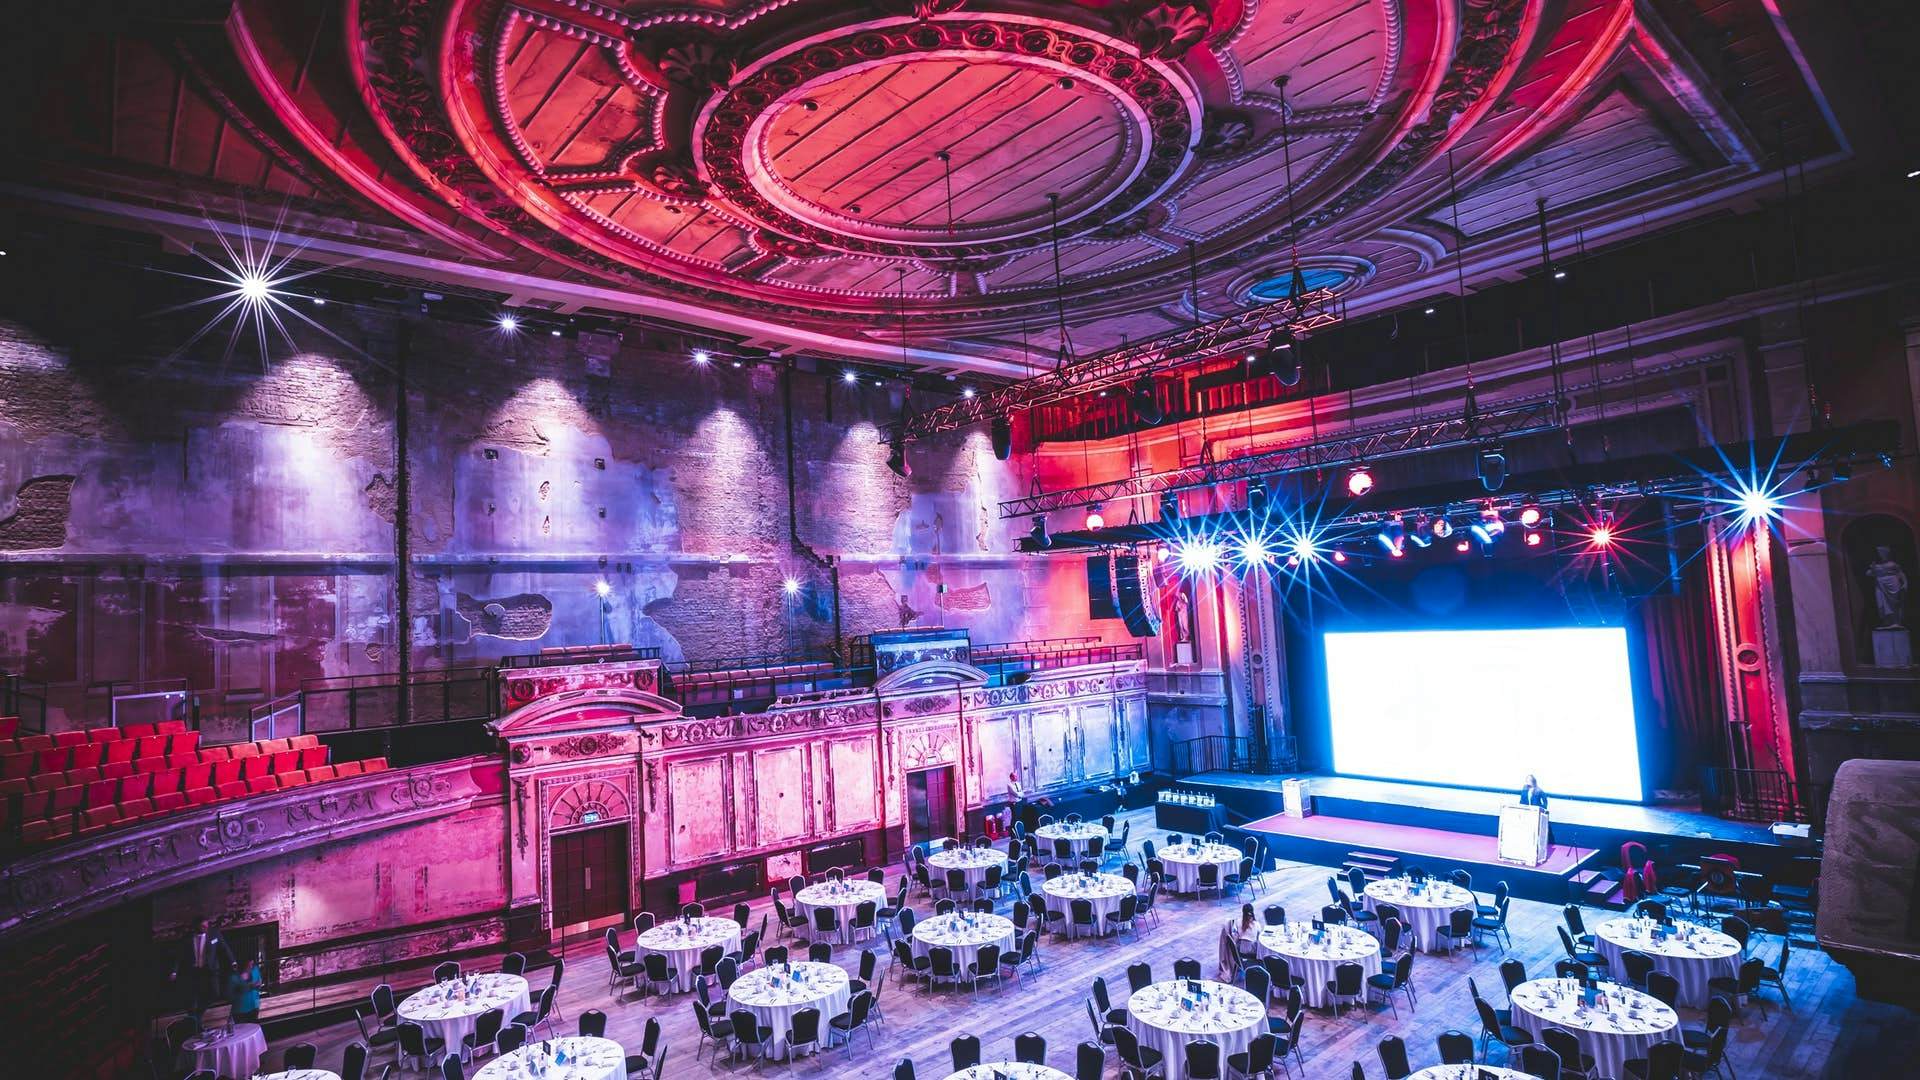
202,967
243,993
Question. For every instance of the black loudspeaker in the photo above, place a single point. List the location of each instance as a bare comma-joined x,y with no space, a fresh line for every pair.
1169,505
1001,434
1100,600
1138,597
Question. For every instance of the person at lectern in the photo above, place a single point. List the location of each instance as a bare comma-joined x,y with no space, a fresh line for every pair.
1533,794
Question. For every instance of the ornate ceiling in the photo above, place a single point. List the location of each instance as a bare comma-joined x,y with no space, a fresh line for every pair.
824,164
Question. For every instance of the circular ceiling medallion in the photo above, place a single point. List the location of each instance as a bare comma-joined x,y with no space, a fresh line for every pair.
1110,129
1280,287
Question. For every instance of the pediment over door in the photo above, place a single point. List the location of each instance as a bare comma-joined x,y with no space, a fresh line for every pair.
930,675
586,711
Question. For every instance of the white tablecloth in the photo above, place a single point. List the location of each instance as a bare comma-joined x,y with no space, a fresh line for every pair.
1611,1037
844,897
450,1010
972,862
1702,955
301,1074
806,985
587,1059
964,938
682,943
1184,861
233,1052
1105,891
1315,961
1075,835
1466,1072
1012,1070
1230,1017
1424,912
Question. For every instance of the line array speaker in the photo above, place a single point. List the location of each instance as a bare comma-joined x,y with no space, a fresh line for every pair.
1101,603
1139,598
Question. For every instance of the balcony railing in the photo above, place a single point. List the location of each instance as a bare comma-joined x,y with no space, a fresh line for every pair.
1233,753
1762,795
25,698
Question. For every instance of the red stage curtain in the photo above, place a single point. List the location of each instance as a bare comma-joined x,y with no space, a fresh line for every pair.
1683,674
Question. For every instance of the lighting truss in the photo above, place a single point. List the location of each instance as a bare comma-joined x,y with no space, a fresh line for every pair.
1438,431
1303,314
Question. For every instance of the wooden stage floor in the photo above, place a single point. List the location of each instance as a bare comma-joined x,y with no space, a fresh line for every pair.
1827,1034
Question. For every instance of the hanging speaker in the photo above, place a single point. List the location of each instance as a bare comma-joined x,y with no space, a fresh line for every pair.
1139,599
1169,505
1001,434
1100,599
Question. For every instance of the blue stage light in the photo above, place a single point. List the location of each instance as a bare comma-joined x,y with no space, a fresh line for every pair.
1197,556
1756,504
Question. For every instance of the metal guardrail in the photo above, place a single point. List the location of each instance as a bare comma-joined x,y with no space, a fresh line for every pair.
280,718
25,698
1000,669
151,701
584,654
1762,795
1233,753
362,702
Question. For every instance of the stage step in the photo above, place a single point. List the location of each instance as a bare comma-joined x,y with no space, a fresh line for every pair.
1594,888
1373,865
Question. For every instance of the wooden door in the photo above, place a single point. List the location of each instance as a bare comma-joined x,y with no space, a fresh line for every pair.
930,805
589,875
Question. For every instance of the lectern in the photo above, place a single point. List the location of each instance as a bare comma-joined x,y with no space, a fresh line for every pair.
1523,835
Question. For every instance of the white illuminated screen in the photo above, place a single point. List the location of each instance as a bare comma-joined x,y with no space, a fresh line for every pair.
1483,708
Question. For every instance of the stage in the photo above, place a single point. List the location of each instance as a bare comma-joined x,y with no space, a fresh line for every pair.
1379,825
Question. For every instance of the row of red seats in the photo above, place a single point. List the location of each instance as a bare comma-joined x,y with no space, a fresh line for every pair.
9,726
715,687
11,740
180,751
45,816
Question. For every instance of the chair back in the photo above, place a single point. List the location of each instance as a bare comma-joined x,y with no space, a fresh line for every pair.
1575,921
820,952
1564,1043
1186,968
593,1025
1030,1048
904,1070
1738,929
449,970
1538,1060
1460,923
512,1037
942,958
1456,1047
1203,1059
1139,976
804,1027
1390,932
1337,914
1273,915
383,1004
413,1039
965,1050
986,959
1348,978
746,1026
1101,1000
1664,987
1513,973
1637,965
1393,1058
1089,1061
1564,968
514,963
451,1069
1082,912
1258,982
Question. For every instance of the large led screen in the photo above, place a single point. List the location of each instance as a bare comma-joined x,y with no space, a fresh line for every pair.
1483,708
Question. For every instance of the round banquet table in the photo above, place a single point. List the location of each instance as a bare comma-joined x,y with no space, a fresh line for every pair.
1104,890
1314,961
1631,1024
844,897
1183,863
1076,836
1698,956
449,1010
1229,1016
972,862
232,1051
587,1059
1424,910
1011,1070
1467,1072
963,933
301,1074
684,941
773,995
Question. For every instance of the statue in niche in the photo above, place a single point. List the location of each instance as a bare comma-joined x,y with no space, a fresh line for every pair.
1889,589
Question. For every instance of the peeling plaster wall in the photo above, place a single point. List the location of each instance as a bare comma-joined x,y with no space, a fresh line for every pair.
199,516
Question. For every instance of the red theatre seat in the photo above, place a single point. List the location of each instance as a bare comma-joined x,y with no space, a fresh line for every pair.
347,768
320,774
137,731
85,755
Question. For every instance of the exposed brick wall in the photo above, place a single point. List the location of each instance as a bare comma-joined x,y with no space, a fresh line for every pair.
203,516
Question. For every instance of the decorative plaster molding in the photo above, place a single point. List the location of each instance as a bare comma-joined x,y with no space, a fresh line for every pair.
75,879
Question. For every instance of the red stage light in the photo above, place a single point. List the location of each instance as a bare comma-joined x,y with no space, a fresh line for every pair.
1359,482
1601,536
1533,539
1339,556
1530,515
1463,545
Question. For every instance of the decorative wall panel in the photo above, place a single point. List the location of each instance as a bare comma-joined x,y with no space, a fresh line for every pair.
1051,735
1095,728
852,780
782,796
698,811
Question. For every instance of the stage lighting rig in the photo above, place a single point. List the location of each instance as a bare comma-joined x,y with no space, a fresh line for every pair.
1491,466
1037,535
1359,481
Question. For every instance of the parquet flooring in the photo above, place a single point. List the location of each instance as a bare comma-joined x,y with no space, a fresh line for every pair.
1828,1033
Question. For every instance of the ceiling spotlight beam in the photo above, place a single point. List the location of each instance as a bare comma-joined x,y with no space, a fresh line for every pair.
1232,333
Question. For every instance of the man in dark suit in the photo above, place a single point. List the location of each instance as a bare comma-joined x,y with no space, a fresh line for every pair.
204,962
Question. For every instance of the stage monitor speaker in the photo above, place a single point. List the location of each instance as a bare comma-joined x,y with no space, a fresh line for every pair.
1138,597
1101,603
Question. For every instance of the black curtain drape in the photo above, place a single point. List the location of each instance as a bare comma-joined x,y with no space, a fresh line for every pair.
1683,676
